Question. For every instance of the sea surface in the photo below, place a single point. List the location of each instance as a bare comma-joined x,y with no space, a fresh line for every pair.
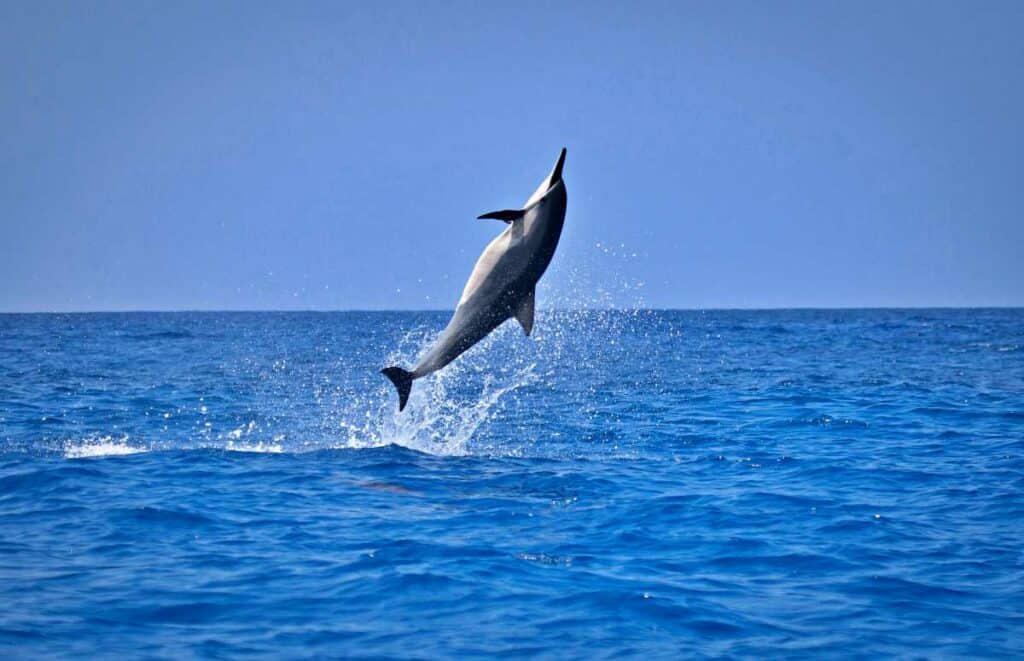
623,484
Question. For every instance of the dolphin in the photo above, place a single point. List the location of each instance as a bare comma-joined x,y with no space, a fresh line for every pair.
503,282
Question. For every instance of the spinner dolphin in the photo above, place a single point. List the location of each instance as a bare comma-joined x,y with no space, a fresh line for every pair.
503,282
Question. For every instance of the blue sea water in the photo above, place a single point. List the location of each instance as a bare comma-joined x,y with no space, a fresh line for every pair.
625,483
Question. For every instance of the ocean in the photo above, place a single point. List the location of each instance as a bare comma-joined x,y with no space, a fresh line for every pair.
842,483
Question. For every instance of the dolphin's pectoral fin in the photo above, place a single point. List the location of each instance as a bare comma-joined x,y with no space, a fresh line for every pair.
507,215
524,312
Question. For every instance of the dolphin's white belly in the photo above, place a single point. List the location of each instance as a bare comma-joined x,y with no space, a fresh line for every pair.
504,260
502,264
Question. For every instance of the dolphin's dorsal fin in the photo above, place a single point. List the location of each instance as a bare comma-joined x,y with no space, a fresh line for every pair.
524,313
507,215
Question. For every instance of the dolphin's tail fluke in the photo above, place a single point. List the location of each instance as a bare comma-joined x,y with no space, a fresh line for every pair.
403,383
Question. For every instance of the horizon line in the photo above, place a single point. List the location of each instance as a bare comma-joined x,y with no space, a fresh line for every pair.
808,308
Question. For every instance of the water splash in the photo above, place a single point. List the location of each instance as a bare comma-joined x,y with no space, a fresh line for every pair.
445,410
590,303
594,301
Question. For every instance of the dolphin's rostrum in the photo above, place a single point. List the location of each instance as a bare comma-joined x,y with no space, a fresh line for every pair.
503,281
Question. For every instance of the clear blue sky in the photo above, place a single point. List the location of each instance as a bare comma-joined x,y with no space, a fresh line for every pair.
216,155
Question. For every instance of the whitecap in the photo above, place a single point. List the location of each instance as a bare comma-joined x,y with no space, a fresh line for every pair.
100,446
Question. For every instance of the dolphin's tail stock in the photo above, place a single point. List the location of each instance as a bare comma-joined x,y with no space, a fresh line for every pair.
403,383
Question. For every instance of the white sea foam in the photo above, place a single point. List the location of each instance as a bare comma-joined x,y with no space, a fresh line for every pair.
258,446
100,446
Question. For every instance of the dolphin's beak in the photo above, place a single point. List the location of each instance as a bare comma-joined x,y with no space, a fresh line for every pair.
547,183
556,174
